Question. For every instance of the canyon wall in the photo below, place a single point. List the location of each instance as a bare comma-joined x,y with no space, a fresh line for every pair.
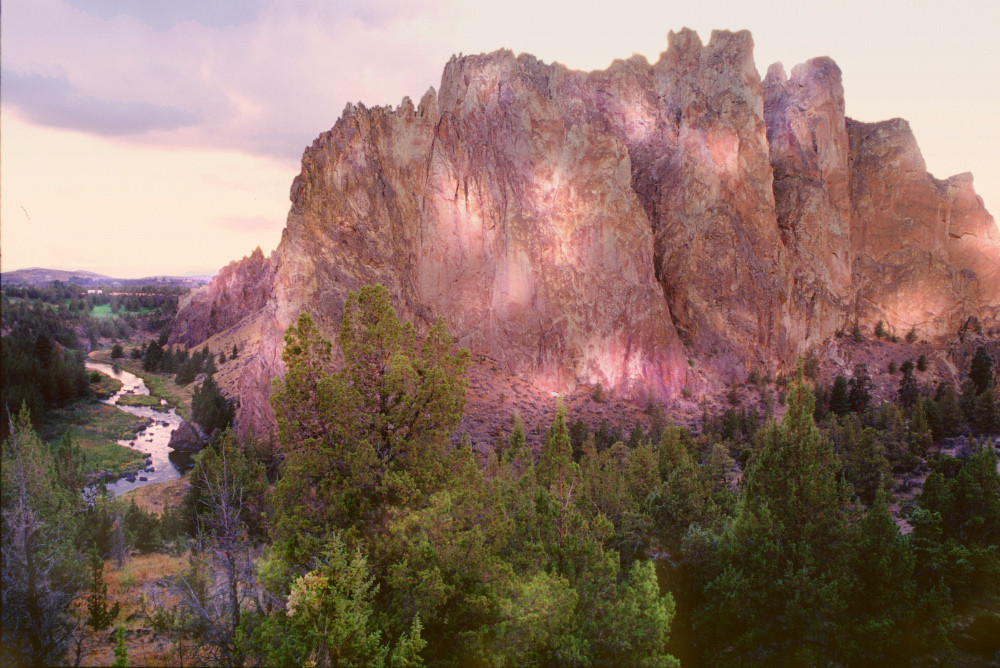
617,226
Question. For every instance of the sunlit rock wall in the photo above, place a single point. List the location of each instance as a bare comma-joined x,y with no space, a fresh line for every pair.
575,228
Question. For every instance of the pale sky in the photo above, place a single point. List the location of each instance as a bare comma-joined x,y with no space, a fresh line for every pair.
144,137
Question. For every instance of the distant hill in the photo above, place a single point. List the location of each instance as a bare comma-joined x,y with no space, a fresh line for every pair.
37,276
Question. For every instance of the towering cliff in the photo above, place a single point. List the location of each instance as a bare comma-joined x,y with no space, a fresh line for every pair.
608,227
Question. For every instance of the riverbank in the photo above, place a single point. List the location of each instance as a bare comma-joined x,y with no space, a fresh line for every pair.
96,429
160,463
162,387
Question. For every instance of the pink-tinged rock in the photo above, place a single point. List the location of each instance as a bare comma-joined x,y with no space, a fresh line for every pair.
809,151
926,252
240,289
578,228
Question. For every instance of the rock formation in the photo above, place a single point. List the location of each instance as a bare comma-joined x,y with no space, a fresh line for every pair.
607,227
188,437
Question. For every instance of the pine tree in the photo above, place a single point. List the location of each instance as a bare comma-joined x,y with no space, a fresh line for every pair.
840,403
981,370
881,599
782,562
557,470
41,572
908,390
99,615
121,650
860,388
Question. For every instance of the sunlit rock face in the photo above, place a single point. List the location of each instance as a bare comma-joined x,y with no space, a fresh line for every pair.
576,228
809,153
240,289
492,206
926,252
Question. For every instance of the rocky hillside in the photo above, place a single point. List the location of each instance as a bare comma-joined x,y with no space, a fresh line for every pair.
649,227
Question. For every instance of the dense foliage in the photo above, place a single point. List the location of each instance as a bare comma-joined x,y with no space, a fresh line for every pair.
381,540
45,330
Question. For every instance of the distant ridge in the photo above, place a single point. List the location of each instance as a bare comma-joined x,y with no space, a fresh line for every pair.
38,276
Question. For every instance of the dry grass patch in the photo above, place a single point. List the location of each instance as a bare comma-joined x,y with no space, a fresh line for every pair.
139,586
156,497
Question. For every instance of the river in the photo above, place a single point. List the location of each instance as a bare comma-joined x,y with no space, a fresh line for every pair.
166,463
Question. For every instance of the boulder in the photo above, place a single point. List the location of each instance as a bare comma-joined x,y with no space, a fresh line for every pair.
188,437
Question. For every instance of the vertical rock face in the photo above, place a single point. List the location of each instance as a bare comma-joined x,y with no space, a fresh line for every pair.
713,205
927,253
239,290
808,145
605,227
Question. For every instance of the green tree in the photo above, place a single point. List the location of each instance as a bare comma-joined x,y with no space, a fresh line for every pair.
210,408
41,573
777,587
882,597
987,414
331,618
121,650
153,357
981,370
908,390
860,388
99,615
840,403
373,435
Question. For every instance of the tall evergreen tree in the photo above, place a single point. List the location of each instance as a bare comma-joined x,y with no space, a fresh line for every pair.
779,587
981,370
41,574
860,388
840,403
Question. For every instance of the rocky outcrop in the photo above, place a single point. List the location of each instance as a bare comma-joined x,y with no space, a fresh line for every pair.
809,149
607,227
926,251
240,289
188,437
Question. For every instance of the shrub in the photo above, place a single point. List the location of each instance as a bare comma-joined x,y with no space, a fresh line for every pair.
811,367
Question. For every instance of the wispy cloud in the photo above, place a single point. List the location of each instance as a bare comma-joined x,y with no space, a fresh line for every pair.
163,16
53,102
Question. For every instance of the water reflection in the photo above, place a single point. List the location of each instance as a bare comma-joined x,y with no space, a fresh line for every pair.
162,462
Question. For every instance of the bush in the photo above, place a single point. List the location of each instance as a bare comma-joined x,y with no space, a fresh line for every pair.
880,330
811,367
922,363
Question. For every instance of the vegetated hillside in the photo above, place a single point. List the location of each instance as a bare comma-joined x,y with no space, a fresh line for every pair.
39,277
659,229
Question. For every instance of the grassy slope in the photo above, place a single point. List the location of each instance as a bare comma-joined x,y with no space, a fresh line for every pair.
96,428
